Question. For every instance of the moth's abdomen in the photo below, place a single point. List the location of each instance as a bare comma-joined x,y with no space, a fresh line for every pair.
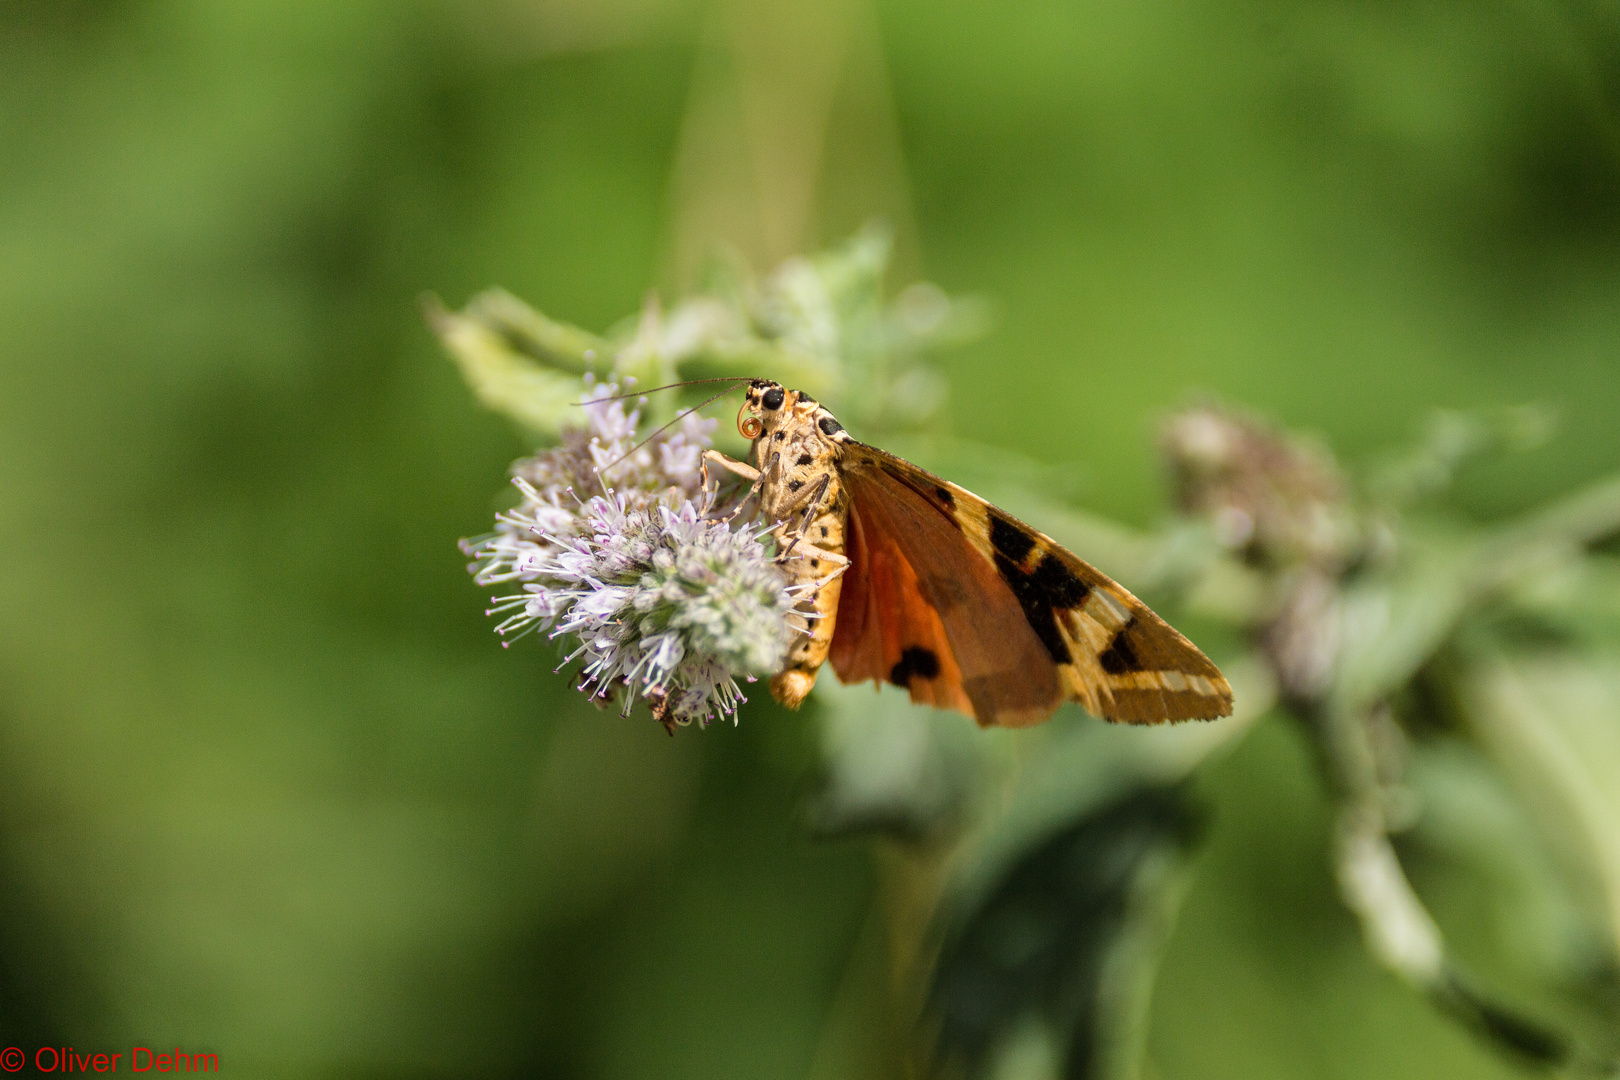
816,560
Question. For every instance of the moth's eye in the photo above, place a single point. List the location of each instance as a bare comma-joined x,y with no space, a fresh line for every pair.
773,398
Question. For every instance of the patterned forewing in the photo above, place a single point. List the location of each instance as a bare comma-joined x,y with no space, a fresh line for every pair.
1111,652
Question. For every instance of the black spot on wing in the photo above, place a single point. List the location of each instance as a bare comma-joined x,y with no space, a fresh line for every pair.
805,459
943,494
1010,538
1119,658
829,426
1062,588
1037,605
914,661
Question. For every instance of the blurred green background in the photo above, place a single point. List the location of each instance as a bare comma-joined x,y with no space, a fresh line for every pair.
268,787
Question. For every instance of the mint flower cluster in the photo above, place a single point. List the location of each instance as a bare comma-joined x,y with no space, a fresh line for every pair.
615,553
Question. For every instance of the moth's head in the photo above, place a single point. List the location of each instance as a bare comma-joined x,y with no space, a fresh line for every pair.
767,405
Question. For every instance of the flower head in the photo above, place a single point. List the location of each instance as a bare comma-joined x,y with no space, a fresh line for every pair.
660,600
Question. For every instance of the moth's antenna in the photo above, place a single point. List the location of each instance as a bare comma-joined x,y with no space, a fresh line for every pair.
672,386
678,418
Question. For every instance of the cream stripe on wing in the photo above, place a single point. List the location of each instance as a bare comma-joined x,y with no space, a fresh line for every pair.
1106,609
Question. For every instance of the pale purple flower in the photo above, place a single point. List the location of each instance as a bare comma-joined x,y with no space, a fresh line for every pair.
661,601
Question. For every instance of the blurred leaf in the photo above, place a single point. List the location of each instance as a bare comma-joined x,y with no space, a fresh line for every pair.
1578,600
893,767
1484,867
1391,622
1394,621
917,772
1075,763
1084,795
1552,724
531,333
508,380
1450,440
817,324
1541,540
1050,974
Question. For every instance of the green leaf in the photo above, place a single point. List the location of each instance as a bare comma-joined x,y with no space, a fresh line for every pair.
1553,725
532,334
505,380
1050,975
893,767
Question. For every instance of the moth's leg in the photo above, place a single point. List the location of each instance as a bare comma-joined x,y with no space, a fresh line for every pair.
740,468
815,501
822,570
820,561
731,464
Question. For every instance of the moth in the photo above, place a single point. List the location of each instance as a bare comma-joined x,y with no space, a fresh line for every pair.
915,581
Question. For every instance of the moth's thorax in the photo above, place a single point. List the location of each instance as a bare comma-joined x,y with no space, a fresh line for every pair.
796,449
